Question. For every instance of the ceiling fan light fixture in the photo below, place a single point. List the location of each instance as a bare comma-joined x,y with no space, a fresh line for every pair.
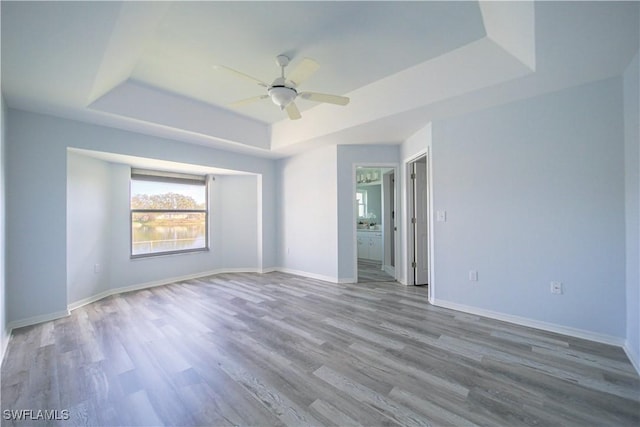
282,95
283,91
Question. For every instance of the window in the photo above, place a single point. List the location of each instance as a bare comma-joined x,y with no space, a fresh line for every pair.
361,198
169,213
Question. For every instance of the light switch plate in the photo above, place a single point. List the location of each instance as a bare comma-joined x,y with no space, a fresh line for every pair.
441,216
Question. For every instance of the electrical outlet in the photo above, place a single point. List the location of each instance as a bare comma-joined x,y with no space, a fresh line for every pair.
473,275
556,288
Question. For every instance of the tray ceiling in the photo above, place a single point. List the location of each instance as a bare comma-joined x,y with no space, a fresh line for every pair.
148,66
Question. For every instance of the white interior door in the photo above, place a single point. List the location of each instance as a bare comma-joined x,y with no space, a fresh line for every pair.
418,231
389,226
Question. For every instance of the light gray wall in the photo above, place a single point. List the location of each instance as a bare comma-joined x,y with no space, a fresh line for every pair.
416,144
4,336
125,271
347,157
537,184
307,207
313,186
36,160
88,226
238,236
98,230
534,193
268,234
36,216
632,204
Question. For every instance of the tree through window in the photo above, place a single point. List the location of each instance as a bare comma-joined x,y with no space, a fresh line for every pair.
169,213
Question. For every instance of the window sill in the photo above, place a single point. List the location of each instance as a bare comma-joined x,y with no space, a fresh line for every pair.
167,254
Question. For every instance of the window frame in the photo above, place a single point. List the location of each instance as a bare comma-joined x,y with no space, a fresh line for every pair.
169,177
364,202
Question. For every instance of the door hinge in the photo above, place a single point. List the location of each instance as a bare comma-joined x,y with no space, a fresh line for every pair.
413,176
414,264
414,220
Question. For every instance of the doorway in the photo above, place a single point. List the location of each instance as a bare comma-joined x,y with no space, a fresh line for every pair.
375,219
418,231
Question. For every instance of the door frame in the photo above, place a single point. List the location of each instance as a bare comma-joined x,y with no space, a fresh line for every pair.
354,212
408,203
389,222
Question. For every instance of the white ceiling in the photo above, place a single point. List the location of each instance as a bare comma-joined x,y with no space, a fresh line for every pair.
191,37
148,66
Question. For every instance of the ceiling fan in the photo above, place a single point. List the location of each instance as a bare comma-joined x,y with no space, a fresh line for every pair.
283,91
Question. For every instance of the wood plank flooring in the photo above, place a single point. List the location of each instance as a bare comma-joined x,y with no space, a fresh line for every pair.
371,271
276,349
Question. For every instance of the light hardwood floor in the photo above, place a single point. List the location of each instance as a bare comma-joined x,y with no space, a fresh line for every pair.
276,349
371,271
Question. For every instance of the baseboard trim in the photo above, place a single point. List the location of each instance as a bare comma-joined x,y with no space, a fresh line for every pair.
536,324
136,287
550,327
37,319
77,304
27,322
310,275
633,357
80,303
162,282
391,271
237,270
6,336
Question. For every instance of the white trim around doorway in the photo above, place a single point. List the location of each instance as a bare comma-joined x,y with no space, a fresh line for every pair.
407,209
354,210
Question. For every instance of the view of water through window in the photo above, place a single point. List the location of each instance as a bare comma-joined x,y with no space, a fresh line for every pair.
151,237
167,217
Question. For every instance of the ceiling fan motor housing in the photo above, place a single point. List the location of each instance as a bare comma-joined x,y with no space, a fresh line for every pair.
282,95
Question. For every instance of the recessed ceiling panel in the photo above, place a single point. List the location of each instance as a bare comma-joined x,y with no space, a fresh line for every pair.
147,66
356,43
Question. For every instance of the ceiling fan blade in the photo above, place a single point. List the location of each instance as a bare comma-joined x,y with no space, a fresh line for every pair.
240,74
247,101
323,97
303,71
292,111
